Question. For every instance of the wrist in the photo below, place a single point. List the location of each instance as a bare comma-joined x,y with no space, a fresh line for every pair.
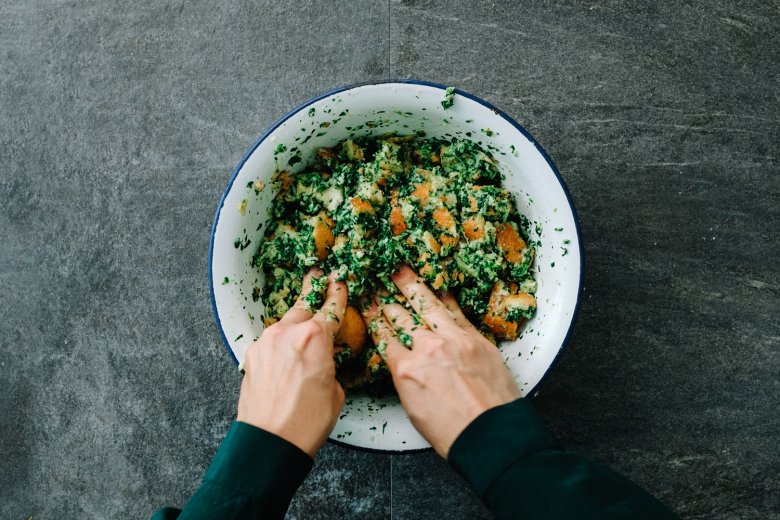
291,430
514,428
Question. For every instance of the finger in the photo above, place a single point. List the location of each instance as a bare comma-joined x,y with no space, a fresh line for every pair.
422,299
372,316
382,333
404,325
338,401
455,311
377,325
301,310
243,366
332,311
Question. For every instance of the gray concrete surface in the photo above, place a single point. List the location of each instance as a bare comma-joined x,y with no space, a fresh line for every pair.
121,121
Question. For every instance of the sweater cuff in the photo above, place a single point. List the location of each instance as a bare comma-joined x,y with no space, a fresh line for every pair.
252,461
495,440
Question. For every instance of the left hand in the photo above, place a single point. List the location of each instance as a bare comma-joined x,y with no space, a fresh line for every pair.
290,386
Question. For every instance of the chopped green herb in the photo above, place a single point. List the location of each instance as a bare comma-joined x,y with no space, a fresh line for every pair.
366,205
342,356
242,244
449,98
405,339
295,159
316,296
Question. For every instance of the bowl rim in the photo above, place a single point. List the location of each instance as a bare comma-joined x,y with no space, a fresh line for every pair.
533,392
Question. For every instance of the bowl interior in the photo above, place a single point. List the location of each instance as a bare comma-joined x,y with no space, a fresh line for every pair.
376,109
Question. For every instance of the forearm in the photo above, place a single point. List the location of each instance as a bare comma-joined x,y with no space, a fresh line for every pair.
254,474
519,470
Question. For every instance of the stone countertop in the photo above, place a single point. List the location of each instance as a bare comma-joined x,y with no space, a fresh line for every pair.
120,124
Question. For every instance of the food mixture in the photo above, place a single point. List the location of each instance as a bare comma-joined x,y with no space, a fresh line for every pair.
366,206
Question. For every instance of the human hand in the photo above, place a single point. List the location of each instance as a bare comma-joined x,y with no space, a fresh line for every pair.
289,386
451,374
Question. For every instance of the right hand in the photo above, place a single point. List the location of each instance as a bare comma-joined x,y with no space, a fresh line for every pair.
452,373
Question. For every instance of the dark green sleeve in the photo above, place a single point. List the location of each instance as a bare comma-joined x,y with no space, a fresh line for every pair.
254,474
519,470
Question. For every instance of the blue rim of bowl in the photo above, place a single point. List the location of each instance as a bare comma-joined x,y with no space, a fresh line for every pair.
531,393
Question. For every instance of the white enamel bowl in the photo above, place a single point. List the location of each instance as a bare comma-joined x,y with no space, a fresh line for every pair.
403,107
